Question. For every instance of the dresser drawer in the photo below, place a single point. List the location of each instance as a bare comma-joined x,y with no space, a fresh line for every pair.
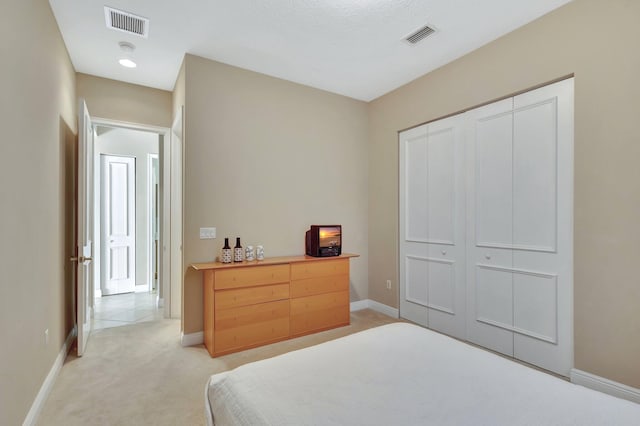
319,302
225,299
250,276
315,320
319,285
237,317
251,334
320,268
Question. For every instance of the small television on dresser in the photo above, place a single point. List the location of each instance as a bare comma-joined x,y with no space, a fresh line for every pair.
324,240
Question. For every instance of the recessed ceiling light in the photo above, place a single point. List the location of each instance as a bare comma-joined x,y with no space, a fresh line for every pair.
126,59
125,62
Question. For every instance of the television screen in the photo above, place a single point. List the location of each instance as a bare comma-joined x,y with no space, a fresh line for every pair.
330,236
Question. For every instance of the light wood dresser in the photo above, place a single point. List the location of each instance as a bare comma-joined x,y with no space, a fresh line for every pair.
250,304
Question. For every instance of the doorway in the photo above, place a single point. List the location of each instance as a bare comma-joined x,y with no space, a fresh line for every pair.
151,152
122,208
88,247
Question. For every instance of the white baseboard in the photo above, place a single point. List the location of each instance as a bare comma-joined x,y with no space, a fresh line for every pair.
384,309
192,339
45,389
97,293
607,386
376,306
359,305
160,302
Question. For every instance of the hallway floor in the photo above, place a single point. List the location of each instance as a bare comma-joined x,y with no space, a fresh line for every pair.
125,309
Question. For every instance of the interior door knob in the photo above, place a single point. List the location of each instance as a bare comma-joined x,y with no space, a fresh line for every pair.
80,259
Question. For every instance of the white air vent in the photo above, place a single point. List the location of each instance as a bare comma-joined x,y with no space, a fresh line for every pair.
419,35
126,22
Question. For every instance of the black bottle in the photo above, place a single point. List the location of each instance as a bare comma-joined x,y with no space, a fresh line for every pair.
226,252
238,254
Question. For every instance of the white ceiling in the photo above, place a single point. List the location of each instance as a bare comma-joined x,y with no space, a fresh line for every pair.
351,47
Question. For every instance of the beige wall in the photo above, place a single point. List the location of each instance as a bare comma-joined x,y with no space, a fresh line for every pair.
264,159
116,100
178,91
598,41
37,156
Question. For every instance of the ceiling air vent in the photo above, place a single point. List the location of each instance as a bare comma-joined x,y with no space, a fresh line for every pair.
419,35
126,22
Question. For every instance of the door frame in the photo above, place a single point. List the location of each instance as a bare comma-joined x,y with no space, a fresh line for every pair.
174,191
150,208
164,290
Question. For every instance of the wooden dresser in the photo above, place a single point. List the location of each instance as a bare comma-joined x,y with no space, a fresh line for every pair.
251,304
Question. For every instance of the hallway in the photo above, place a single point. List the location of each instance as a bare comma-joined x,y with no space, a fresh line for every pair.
125,309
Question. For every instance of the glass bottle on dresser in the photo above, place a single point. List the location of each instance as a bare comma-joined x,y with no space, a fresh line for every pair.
238,253
227,256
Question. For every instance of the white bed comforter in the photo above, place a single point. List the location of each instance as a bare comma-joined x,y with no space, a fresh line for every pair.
401,374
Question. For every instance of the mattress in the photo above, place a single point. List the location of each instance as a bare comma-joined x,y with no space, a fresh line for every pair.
402,374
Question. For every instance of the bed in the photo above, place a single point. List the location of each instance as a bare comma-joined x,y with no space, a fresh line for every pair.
402,374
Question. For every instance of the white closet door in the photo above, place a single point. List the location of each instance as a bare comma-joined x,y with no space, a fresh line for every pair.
490,226
543,227
520,227
432,242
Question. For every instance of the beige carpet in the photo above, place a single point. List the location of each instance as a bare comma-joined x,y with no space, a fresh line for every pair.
140,375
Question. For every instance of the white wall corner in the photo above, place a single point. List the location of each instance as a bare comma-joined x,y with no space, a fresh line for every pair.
607,386
376,306
49,381
192,339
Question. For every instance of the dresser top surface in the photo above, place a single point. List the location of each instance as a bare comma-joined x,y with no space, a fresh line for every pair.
268,261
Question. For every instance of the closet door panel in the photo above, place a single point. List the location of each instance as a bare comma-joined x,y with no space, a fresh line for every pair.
534,176
543,226
494,296
535,305
413,224
416,187
441,169
442,286
489,227
491,323
446,311
417,279
493,174
432,226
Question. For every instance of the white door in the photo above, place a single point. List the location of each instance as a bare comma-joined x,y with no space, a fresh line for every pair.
119,226
432,226
520,283
85,226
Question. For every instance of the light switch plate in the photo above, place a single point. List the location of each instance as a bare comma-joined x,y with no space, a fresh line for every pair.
207,233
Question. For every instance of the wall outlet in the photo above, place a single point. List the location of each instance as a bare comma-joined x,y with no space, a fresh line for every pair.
207,233
388,284
46,337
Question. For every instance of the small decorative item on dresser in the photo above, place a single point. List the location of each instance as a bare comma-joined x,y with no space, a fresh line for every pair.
226,252
238,254
259,253
249,255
